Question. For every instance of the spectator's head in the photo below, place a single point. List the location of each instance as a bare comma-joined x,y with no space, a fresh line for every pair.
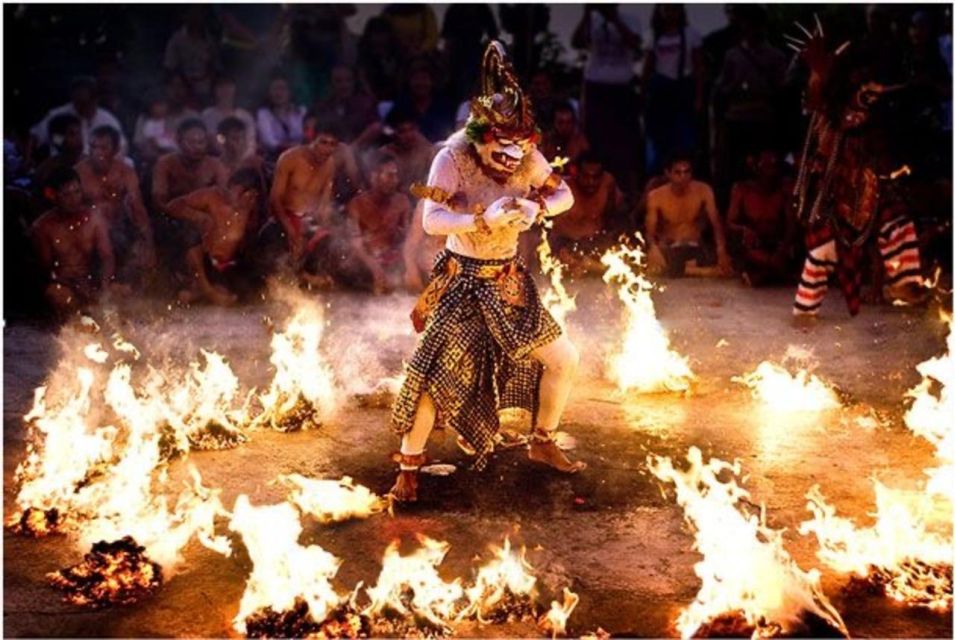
83,95
405,125
233,135
378,38
765,164
177,90
679,169
158,108
193,138
541,86
280,93
66,134
246,185
878,21
751,20
383,173
63,187
667,18
921,29
224,91
420,80
565,120
343,82
104,144
328,135
590,173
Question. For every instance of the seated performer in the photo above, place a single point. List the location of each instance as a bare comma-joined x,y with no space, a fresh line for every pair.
217,219
69,239
488,342
191,167
581,235
419,251
112,187
849,188
676,213
759,222
379,218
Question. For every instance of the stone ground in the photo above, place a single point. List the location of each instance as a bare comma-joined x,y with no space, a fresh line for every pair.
610,533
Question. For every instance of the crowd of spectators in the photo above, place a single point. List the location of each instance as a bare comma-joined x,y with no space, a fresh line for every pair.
269,135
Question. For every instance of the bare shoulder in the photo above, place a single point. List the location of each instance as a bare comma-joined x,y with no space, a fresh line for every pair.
402,201
290,156
82,167
165,162
42,224
656,192
702,189
214,163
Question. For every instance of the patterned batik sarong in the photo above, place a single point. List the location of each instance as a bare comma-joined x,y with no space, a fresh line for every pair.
483,320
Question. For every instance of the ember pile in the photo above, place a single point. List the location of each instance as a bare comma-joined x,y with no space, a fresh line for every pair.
35,523
113,573
298,623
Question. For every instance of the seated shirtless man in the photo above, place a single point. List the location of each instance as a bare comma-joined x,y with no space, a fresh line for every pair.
676,213
111,187
379,219
69,239
581,235
191,167
218,219
761,230
303,203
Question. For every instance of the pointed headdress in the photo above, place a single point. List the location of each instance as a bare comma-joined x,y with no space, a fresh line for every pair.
502,107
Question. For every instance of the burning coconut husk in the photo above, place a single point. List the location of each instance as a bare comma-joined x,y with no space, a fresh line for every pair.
332,500
749,581
504,588
35,523
554,621
644,362
907,552
779,391
302,394
298,622
284,573
111,574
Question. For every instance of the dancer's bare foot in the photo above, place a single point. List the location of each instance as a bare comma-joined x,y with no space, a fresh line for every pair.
544,450
405,488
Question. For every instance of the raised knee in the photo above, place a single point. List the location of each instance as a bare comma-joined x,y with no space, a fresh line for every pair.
566,360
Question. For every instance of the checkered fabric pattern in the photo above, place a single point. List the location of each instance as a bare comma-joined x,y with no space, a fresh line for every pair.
473,358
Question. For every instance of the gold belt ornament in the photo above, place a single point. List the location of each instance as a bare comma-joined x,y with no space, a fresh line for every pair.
510,284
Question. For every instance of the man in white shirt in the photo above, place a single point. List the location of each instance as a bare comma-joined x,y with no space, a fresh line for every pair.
613,42
83,105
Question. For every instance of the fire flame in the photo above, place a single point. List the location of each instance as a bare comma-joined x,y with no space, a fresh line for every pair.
779,390
908,550
556,299
332,500
555,620
645,362
282,570
302,393
744,568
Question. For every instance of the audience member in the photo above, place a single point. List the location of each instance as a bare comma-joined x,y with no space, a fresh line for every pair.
192,52
189,168
526,22
433,111
164,116
415,27
347,109
84,105
748,90
224,107
72,244
279,122
564,139
676,214
613,43
761,230
233,140
217,220
412,151
379,62
65,133
379,221
584,232
672,85
466,27
111,187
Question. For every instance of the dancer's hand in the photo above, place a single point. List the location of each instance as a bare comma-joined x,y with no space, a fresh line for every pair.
530,210
503,212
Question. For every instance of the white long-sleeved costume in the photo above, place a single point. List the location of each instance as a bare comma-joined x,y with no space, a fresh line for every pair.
455,170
